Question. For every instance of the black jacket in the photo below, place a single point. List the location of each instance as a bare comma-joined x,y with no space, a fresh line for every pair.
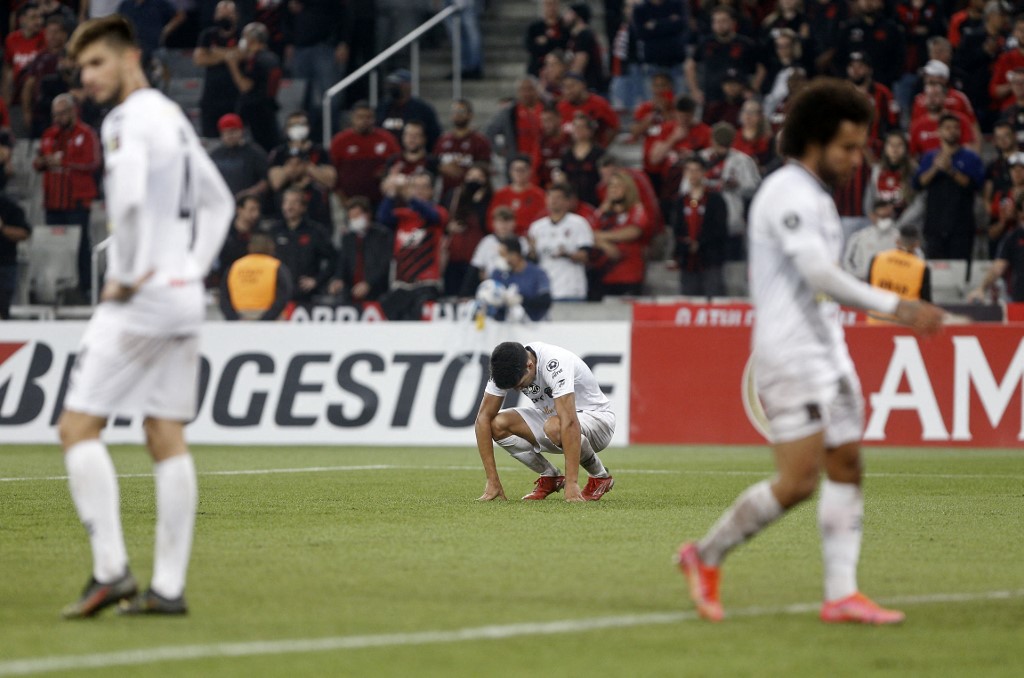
377,244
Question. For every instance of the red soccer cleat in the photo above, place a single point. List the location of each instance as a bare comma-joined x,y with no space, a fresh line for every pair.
596,487
703,581
544,486
859,609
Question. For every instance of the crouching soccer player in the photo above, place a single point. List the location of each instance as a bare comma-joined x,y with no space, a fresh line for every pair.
570,416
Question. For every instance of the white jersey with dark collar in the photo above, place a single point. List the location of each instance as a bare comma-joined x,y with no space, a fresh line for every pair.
559,372
168,209
797,332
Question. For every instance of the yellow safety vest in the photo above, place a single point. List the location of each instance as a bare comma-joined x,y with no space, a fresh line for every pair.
252,282
897,271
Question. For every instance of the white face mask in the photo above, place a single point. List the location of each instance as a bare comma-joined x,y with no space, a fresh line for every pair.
885,223
298,132
243,44
359,224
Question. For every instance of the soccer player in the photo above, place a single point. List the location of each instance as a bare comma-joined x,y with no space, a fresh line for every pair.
805,378
570,416
169,210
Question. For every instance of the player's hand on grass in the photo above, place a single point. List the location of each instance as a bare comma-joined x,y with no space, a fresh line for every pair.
119,292
573,493
492,491
924,318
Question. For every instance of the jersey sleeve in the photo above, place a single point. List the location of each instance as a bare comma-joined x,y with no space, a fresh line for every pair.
126,169
559,372
583,235
491,389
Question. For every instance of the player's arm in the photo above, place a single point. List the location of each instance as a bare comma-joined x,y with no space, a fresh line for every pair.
569,423
127,166
215,207
824,276
489,408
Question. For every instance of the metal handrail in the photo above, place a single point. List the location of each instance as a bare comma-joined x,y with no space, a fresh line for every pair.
413,37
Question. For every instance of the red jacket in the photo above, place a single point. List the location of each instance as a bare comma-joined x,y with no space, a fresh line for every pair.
72,185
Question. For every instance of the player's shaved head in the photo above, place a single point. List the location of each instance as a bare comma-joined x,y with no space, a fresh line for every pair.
508,364
818,112
114,30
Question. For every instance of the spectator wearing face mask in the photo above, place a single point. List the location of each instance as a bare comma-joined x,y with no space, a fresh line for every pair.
220,95
399,106
300,163
363,267
868,242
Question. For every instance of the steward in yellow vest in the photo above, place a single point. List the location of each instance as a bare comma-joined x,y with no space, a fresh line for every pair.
257,286
901,270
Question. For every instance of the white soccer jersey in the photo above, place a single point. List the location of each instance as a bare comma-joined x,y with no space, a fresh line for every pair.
553,243
168,209
796,333
559,372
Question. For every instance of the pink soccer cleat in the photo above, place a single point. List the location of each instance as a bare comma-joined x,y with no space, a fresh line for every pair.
859,609
703,581
544,486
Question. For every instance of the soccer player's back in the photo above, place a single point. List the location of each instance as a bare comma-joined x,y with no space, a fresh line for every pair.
161,200
169,211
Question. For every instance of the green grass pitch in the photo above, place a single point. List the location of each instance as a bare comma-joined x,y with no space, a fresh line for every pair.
379,562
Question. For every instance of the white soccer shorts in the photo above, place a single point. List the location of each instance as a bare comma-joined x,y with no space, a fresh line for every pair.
597,426
118,372
796,411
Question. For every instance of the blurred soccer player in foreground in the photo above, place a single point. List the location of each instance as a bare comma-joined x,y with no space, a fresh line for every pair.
570,416
805,377
169,211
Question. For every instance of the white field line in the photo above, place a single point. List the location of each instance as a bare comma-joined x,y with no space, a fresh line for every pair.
402,467
143,656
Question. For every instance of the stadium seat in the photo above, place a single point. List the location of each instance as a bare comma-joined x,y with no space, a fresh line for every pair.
949,280
53,263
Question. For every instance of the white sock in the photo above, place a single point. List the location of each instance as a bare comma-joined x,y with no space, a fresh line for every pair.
176,497
524,451
840,514
590,461
752,511
94,490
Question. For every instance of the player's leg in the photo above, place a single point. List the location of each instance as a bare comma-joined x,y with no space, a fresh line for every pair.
169,404
597,429
104,376
520,432
798,447
841,515
94,491
176,499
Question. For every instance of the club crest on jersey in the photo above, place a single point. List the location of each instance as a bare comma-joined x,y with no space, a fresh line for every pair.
113,143
791,221
552,365
531,390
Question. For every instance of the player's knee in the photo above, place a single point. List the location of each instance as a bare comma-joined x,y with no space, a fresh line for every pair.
163,438
553,430
500,428
73,429
795,487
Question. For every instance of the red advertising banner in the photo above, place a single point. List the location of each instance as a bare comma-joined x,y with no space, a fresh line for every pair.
728,314
962,389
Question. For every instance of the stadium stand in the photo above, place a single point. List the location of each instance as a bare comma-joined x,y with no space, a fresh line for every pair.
504,26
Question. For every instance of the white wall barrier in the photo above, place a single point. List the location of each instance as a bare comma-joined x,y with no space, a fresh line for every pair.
298,384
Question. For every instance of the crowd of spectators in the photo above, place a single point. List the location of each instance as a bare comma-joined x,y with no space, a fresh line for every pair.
401,210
